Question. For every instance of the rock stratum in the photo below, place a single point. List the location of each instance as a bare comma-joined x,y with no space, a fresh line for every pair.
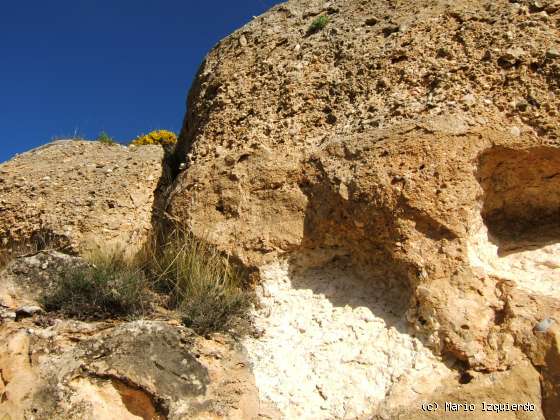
411,144
392,181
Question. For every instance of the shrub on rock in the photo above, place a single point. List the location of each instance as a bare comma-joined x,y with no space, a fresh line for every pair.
107,287
202,285
104,138
158,137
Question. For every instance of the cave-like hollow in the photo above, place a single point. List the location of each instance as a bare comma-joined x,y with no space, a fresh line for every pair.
521,202
517,236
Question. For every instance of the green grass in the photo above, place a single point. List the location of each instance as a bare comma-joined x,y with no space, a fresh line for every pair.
202,285
109,287
105,139
318,23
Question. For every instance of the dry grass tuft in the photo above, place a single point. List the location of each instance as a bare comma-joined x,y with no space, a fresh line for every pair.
193,279
108,287
202,284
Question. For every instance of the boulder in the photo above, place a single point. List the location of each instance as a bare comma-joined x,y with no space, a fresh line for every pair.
132,370
263,117
74,195
418,140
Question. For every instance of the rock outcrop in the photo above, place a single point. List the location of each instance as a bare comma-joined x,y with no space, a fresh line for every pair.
146,369
391,176
416,142
76,194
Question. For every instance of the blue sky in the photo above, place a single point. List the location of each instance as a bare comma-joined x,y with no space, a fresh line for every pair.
120,66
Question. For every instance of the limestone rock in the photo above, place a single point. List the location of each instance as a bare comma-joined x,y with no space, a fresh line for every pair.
491,393
139,369
24,280
27,311
428,157
75,194
392,179
271,110
149,369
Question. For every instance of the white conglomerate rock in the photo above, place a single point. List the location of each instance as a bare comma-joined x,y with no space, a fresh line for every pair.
536,270
334,346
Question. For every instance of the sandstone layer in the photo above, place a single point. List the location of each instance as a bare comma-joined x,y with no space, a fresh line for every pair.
418,140
73,195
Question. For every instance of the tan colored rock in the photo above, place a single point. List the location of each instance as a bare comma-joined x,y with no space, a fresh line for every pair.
76,194
546,356
144,369
269,109
486,396
141,369
357,140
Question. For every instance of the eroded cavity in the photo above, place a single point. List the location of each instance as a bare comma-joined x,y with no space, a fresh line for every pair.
517,236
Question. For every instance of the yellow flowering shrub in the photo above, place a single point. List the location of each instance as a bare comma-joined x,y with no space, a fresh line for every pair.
161,137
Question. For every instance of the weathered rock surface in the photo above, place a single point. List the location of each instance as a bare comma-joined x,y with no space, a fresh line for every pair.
146,369
75,194
258,112
392,177
25,280
417,139
350,351
489,395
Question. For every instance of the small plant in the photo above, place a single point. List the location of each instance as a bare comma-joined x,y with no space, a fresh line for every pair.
158,137
108,287
105,138
193,278
318,23
203,286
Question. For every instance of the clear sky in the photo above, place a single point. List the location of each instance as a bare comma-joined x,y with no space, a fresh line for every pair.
120,66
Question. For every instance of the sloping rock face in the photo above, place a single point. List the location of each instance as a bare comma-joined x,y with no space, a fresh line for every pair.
146,369
417,140
76,194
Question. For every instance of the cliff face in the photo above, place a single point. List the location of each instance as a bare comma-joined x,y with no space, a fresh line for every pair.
389,170
412,144
273,95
